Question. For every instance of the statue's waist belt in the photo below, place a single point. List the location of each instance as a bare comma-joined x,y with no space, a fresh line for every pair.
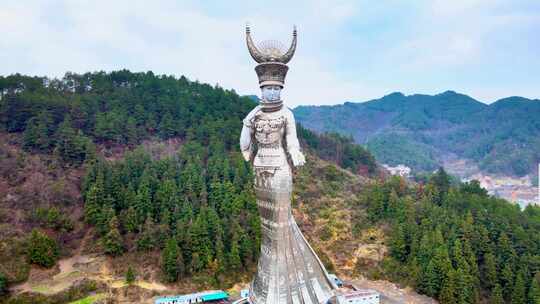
274,145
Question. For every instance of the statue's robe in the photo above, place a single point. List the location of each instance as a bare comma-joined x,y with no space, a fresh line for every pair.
288,270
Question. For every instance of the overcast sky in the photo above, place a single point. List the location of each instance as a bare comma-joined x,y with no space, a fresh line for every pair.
347,50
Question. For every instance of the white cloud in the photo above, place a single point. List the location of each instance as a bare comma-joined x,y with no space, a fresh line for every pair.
206,42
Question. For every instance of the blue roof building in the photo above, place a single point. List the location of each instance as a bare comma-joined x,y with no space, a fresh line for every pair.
199,297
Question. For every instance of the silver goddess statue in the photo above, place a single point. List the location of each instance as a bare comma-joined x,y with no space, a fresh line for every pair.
288,270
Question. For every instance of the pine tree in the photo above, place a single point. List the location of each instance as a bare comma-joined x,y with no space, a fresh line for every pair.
31,134
464,287
449,292
169,260
398,243
376,208
143,201
470,258
38,133
132,135
130,220
167,126
130,276
104,217
394,204
68,146
146,240
519,290
92,204
3,285
533,297
490,271
234,253
112,242
505,251
429,280
41,249
507,281
201,243
442,265
441,180
496,295
245,248
166,195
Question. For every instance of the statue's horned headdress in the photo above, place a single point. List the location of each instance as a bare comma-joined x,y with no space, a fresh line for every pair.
270,50
272,59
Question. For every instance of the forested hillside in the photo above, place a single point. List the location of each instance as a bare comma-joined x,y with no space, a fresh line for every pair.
422,130
145,170
456,243
189,200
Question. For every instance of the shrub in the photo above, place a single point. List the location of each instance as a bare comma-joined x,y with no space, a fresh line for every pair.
41,249
3,284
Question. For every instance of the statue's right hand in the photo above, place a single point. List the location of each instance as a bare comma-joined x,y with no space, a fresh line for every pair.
246,155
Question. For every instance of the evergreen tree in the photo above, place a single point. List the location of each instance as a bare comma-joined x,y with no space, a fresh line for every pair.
166,195
41,249
132,134
143,201
376,208
69,147
45,130
31,134
449,292
442,266
533,297
3,285
104,217
234,253
130,276
183,237
490,271
169,260
506,253
112,242
519,290
464,287
441,181
398,243
429,283
146,240
130,220
245,248
496,295
470,259
92,205
167,126
201,243
507,281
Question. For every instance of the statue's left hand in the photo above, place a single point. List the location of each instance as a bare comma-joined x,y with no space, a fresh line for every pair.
298,158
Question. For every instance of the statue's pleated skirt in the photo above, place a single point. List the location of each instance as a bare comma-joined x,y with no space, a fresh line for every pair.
288,271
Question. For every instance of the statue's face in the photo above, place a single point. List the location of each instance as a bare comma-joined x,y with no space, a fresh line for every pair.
271,92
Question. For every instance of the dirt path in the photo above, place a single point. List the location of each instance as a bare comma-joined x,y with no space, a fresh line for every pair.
76,268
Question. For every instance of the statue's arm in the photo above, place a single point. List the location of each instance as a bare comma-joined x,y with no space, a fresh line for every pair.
246,144
293,146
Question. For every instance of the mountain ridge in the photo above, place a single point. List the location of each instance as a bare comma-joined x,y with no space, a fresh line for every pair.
447,123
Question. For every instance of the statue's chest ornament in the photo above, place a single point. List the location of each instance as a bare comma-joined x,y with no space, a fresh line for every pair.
269,130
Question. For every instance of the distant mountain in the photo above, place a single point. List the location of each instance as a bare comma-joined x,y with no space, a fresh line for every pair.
422,131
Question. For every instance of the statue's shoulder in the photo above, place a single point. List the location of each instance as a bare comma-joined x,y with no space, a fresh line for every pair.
288,113
248,120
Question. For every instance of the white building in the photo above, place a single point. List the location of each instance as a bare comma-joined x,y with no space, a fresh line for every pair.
361,296
400,170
